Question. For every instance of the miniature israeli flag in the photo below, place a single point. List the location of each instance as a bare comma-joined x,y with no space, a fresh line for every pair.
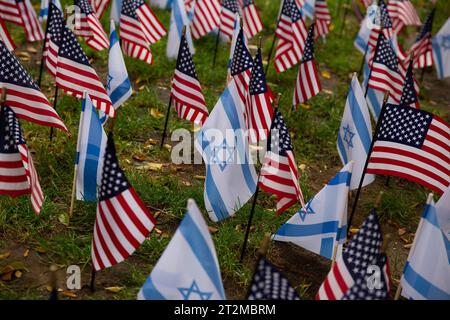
188,269
91,146
178,20
43,12
323,225
162,4
441,51
309,8
116,8
427,271
355,134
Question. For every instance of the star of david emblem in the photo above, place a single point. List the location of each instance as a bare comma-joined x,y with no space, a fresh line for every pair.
446,42
309,210
194,289
348,136
223,155
108,85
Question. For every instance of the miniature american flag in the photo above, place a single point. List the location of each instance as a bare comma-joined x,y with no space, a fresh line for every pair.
350,275
422,49
409,95
259,109
251,18
291,32
99,7
18,175
150,24
403,14
5,37
186,90
308,83
227,17
279,174
89,27
323,18
412,144
54,31
21,12
123,222
206,17
23,94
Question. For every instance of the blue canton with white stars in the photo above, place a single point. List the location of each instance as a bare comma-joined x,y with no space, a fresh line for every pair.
405,125
129,9
258,83
10,131
291,10
114,180
71,49
231,5
55,24
184,61
85,6
385,19
409,94
11,71
242,59
308,54
427,26
279,139
385,55
247,3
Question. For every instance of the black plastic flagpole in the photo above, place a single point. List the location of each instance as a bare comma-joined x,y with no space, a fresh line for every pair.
272,46
92,284
255,196
55,102
216,47
358,192
344,18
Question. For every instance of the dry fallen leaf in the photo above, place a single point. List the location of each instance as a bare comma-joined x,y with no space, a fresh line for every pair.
4,255
26,253
213,229
138,80
199,177
155,113
154,166
18,274
327,91
139,157
141,88
354,230
32,49
151,142
326,74
305,106
302,167
156,215
405,240
407,246
186,183
168,147
69,294
158,231
23,55
7,276
114,289
401,231
40,250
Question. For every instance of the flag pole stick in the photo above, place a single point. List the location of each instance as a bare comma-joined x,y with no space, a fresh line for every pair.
92,284
53,283
216,47
55,102
74,186
344,18
355,203
41,67
272,46
255,196
411,251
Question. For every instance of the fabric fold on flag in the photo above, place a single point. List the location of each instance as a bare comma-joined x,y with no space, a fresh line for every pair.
206,17
178,20
441,51
188,268
89,27
322,18
21,12
6,37
99,7
228,11
322,224
251,18
422,48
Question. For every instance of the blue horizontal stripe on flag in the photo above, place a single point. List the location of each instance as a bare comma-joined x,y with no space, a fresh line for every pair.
202,251
150,292
341,177
120,91
326,247
431,216
296,230
360,43
422,285
358,120
113,39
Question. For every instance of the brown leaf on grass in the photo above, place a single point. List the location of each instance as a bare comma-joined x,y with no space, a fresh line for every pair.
157,214
7,276
69,294
23,55
138,80
168,147
401,231
354,230
405,240
155,113
329,92
407,246
139,157
150,142
157,231
326,74
199,177
213,229
18,274
40,250
305,106
141,87
31,49
4,255
186,183
114,289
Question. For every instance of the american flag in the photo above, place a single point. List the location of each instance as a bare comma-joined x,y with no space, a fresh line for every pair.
241,66
71,67
323,18
386,24
136,24
251,18
351,273
409,95
186,90
385,73
5,37
228,13
54,30
308,83
23,95
99,7
18,175
206,17
291,32
422,49
89,27
123,222
269,283
412,144
403,14
279,174
21,12
259,108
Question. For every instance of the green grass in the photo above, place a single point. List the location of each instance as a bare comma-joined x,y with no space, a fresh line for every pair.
314,131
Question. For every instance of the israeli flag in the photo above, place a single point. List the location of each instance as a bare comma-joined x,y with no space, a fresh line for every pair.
323,225
119,86
308,8
427,271
116,8
188,269
230,174
162,4
43,12
91,146
355,134
178,19
362,38
441,51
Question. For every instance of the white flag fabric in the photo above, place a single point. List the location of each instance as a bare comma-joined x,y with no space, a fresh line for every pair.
427,271
308,8
162,4
188,268
355,134
91,146
441,51
116,8
230,174
178,20
43,12
324,222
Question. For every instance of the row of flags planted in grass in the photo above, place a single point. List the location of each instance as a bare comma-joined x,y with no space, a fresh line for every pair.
407,142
